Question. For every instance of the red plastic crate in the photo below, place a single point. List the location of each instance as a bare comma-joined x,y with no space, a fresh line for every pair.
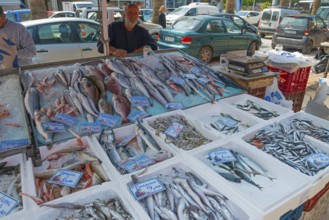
292,82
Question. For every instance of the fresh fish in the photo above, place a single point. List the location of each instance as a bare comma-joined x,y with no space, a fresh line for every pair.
166,93
90,89
105,70
32,101
122,79
121,106
75,99
154,92
92,70
86,104
61,78
104,106
138,84
132,92
39,119
76,75
98,83
112,85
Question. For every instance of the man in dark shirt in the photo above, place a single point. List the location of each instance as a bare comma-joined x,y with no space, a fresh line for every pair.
126,36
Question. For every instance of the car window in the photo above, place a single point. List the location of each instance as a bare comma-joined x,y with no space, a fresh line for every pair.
231,27
254,14
26,17
88,32
238,21
275,16
319,23
324,13
30,30
187,24
55,33
295,23
70,15
191,12
215,26
92,15
266,15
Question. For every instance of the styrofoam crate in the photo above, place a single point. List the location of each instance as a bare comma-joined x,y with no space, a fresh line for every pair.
207,113
319,180
199,127
44,152
103,192
128,131
25,171
241,99
287,191
242,209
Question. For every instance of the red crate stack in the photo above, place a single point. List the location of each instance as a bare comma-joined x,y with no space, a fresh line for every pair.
293,84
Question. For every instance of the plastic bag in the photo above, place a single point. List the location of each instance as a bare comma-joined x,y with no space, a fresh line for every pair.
322,92
274,95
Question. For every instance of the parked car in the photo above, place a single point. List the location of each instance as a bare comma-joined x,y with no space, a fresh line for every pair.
323,12
61,14
271,18
251,17
239,21
169,10
19,15
206,37
64,39
301,32
145,14
192,9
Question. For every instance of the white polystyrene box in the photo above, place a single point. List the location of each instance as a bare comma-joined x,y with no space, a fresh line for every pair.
199,127
207,113
241,99
242,209
103,192
25,177
125,131
69,143
287,191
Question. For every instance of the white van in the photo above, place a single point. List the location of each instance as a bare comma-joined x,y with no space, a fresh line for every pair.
193,9
271,19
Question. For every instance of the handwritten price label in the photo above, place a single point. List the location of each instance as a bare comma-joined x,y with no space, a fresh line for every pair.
137,115
65,119
174,106
229,122
174,129
138,163
90,127
108,120
66,178
140,101
221,156
7,204
54,127
8,144
146,188
318,160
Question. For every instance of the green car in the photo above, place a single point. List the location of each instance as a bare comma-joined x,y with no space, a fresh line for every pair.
205,37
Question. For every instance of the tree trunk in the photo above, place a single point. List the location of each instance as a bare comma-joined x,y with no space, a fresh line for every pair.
284,3
156,5
38,9
316,5
230,6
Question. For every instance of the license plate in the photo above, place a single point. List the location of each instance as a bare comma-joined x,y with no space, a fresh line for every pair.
290,32
171,39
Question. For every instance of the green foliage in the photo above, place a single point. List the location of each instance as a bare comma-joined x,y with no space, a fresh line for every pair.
265,5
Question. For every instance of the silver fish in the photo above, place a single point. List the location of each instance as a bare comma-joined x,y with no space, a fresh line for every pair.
122,79
39,119
32,101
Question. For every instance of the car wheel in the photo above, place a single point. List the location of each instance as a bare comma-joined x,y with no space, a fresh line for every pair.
252,48
205,54
308,48
262,35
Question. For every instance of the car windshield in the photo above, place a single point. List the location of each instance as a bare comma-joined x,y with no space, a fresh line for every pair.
266,15
180,11
187,24
242,13
295,23
323,13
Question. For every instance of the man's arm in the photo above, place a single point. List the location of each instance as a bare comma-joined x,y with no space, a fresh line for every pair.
147,40
26,47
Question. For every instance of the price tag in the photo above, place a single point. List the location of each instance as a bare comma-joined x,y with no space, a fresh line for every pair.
90,127
174,106
53,127
264,69
203,81
195,70
131,166
221,156
8,144
229,122
68,178
7,204
137,115
146,188
174,129
176,80
109,120
140,101
65,119
190,76
144,161
318,160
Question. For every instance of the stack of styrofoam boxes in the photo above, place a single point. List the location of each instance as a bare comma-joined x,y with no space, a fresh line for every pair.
25,179
293,85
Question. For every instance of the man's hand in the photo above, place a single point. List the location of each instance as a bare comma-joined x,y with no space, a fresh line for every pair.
120,53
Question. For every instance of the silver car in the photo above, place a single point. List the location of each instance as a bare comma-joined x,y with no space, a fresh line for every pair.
63,39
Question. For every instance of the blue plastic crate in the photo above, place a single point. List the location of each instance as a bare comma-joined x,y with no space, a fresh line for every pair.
293,214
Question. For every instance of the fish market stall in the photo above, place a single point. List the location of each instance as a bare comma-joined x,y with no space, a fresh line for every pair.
86,97
14,126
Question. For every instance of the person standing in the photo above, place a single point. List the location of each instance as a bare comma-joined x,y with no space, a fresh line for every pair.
162,16
16,46
127,36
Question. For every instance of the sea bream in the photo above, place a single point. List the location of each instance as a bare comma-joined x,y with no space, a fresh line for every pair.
121,106
90,89
112,85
